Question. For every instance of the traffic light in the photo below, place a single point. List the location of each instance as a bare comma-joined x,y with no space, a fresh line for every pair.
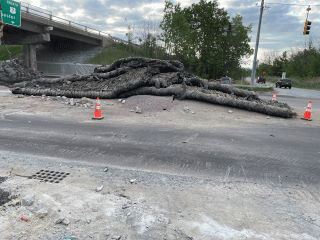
306,27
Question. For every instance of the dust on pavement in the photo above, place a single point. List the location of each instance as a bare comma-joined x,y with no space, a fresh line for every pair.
106,202
102,202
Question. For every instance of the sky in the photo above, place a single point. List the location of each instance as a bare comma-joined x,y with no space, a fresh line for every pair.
281,29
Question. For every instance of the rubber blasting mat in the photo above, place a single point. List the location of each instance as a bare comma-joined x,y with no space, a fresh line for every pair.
50,176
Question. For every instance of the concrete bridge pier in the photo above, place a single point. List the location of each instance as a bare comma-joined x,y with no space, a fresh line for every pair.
31,56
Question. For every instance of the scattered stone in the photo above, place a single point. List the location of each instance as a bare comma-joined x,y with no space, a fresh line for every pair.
62,220
72,102
28,200
85,100
133,181
88,221
69,237
13,196
58,220
186,109
164,220
42,213
230,111
64,97
138,109
106,169
99,189
126,205
66,221
268,117
116,237
123,101
120,100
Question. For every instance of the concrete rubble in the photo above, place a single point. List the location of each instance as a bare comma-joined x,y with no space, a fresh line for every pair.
71,210
13,71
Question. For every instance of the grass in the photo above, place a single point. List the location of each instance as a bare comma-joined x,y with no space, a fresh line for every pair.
111,54
262,88
7,51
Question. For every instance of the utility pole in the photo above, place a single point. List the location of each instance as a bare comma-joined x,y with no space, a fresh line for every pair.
257,46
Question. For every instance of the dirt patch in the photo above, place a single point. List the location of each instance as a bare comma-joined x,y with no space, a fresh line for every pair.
148,104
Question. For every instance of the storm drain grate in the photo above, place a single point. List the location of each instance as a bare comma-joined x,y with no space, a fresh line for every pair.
50,176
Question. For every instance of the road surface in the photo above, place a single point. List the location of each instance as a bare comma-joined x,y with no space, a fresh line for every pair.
214,174
285,154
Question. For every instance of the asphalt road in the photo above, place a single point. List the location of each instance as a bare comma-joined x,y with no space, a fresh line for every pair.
297,98
272,155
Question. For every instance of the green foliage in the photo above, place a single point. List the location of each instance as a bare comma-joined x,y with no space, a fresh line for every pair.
9,51
205,39
303,64
151,49
298,82
111,54
121,50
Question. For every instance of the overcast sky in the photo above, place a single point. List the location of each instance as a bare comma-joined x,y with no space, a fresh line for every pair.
282,24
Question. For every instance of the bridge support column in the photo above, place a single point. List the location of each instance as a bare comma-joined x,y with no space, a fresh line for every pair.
31,56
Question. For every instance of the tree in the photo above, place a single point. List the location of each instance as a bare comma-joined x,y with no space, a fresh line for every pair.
204,38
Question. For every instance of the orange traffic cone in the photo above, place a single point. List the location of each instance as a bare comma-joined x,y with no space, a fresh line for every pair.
98,113
307,113
274,97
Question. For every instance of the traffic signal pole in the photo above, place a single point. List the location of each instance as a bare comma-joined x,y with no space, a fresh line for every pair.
307,24
257,46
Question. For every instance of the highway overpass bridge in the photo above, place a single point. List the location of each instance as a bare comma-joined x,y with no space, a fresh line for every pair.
39,26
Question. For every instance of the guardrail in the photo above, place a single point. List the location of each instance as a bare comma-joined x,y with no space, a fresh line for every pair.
43,13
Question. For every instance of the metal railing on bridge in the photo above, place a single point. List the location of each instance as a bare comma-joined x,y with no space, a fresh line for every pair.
46,14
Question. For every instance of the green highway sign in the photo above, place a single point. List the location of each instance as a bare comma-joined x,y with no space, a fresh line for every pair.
11,12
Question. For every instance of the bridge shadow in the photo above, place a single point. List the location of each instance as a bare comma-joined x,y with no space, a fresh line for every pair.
60,55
